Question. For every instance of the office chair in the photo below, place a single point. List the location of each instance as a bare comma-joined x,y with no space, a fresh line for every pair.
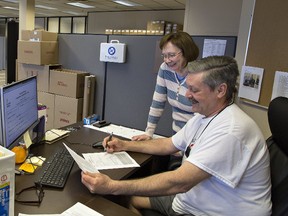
278,149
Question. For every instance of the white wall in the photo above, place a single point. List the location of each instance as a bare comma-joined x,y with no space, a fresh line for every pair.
99,21
232,18
215,18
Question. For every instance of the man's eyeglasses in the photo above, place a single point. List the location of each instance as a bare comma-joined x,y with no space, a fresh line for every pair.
170,55
22,197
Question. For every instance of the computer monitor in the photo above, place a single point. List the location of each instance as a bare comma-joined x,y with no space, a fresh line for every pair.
19,110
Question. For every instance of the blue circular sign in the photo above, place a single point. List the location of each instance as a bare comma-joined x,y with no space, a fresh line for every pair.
111,50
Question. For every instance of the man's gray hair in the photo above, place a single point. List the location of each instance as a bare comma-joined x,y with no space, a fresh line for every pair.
217,70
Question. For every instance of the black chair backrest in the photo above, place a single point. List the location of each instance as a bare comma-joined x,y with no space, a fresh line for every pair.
278,122
278,149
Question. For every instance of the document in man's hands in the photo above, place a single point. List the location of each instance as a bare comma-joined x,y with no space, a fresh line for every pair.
83,164
104,160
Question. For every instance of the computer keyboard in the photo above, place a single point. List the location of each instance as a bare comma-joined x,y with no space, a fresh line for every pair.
56,169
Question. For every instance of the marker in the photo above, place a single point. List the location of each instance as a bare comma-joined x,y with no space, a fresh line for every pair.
110,138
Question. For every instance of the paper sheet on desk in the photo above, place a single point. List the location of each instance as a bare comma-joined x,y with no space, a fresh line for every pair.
83,164
76,210
20,214
80,210
104,160
120,131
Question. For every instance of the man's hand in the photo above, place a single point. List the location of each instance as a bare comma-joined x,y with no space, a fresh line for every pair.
113,144
96,182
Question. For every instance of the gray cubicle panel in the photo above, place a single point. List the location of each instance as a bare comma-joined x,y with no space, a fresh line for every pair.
130,85
81,52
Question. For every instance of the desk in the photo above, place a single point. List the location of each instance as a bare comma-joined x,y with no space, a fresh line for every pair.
58,200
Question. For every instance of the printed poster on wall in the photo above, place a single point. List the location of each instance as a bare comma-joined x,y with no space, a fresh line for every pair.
250,83
280,85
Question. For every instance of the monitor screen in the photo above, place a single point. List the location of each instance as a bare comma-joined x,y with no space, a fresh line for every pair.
19,110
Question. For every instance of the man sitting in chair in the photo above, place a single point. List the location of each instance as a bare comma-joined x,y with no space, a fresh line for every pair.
226,166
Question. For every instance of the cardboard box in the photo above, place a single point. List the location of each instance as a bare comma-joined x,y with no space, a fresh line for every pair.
38,35
67,110
108,31
125,31
39,53
41,71
48,100
67,82
117,31
158,25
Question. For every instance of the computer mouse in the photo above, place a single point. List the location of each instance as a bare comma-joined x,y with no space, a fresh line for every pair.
97,145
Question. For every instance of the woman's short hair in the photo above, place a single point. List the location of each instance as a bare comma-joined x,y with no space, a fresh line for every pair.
184,42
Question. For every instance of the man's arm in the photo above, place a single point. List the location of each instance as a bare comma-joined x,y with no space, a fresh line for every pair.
167,183
161,146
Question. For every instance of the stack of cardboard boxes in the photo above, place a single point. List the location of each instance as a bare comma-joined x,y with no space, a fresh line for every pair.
61,90
154,27
160,27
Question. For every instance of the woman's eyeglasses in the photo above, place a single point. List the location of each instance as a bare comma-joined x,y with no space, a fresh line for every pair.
170,55
22,196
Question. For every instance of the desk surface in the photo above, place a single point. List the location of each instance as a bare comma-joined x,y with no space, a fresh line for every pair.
58,200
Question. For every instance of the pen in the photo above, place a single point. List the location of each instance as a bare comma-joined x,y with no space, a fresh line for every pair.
110,138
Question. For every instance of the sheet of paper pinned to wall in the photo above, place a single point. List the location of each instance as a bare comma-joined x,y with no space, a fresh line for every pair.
250,83
213,47
280,85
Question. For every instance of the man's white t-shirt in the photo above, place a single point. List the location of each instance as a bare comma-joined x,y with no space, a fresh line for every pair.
232,149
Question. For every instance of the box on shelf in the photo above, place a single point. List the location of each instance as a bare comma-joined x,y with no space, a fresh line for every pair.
141,32
41,71
117,31
67,110
125,31
150,32
67,82
7,181
38,35
156,25
39,53
48,100
108,31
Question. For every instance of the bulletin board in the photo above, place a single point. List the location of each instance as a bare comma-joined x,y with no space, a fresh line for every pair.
268,43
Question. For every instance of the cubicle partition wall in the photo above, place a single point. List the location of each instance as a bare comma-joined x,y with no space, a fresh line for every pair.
81,52
130,86
124,90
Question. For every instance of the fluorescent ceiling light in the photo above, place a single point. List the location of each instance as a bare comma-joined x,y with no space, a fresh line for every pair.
45,7
127,3
11,8
12,1
77,4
